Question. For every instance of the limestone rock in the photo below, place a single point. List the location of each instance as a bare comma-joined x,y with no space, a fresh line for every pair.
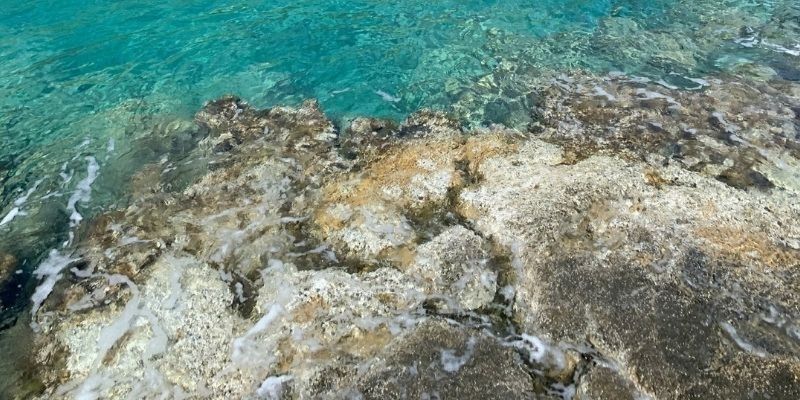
456,264
611,252
367,214
648,274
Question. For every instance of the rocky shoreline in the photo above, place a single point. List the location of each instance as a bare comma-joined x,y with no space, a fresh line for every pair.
633,241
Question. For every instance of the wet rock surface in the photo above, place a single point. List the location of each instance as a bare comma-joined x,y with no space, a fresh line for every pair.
736,131
457,265
635,242
439,360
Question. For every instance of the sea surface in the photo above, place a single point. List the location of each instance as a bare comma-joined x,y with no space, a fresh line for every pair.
85,87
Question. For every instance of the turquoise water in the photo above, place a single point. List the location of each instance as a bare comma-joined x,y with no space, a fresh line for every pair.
60,61
91,79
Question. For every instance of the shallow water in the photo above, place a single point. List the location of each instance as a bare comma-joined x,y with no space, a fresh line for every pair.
103,81
61,64
62,61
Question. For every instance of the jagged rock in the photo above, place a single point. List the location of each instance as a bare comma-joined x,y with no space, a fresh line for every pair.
704,131
366,136
367,214
119,349
326,320
429,124
604,265
381,210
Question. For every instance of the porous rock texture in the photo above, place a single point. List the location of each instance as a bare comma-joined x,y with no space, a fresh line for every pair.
588,257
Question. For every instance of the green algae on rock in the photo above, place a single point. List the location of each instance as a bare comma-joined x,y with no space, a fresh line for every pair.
576,260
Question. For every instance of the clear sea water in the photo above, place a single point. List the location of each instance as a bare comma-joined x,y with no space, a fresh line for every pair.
87,78
63,60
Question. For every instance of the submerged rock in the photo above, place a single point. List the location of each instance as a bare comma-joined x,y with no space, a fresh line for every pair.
588,258
8,264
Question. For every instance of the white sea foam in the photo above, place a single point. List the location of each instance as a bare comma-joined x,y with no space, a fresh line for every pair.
645,94
774,317
535,347
18,203
600,92
112,333
754,40
152,382
702,82
322,249
290,220
89,300
175,286
159,341
508,292
516,260
720,117
83,273
65,177
272,387
639,79
49,270
452,362
741,342
539,352
83,191
241,344
795,51
98,383
133,310
395,232
793,331
239,289
91,388
51,194
387,97
666,84
11,215
749,41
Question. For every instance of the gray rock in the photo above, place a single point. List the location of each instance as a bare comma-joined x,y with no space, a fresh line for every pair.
439,360
645,271
602,382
